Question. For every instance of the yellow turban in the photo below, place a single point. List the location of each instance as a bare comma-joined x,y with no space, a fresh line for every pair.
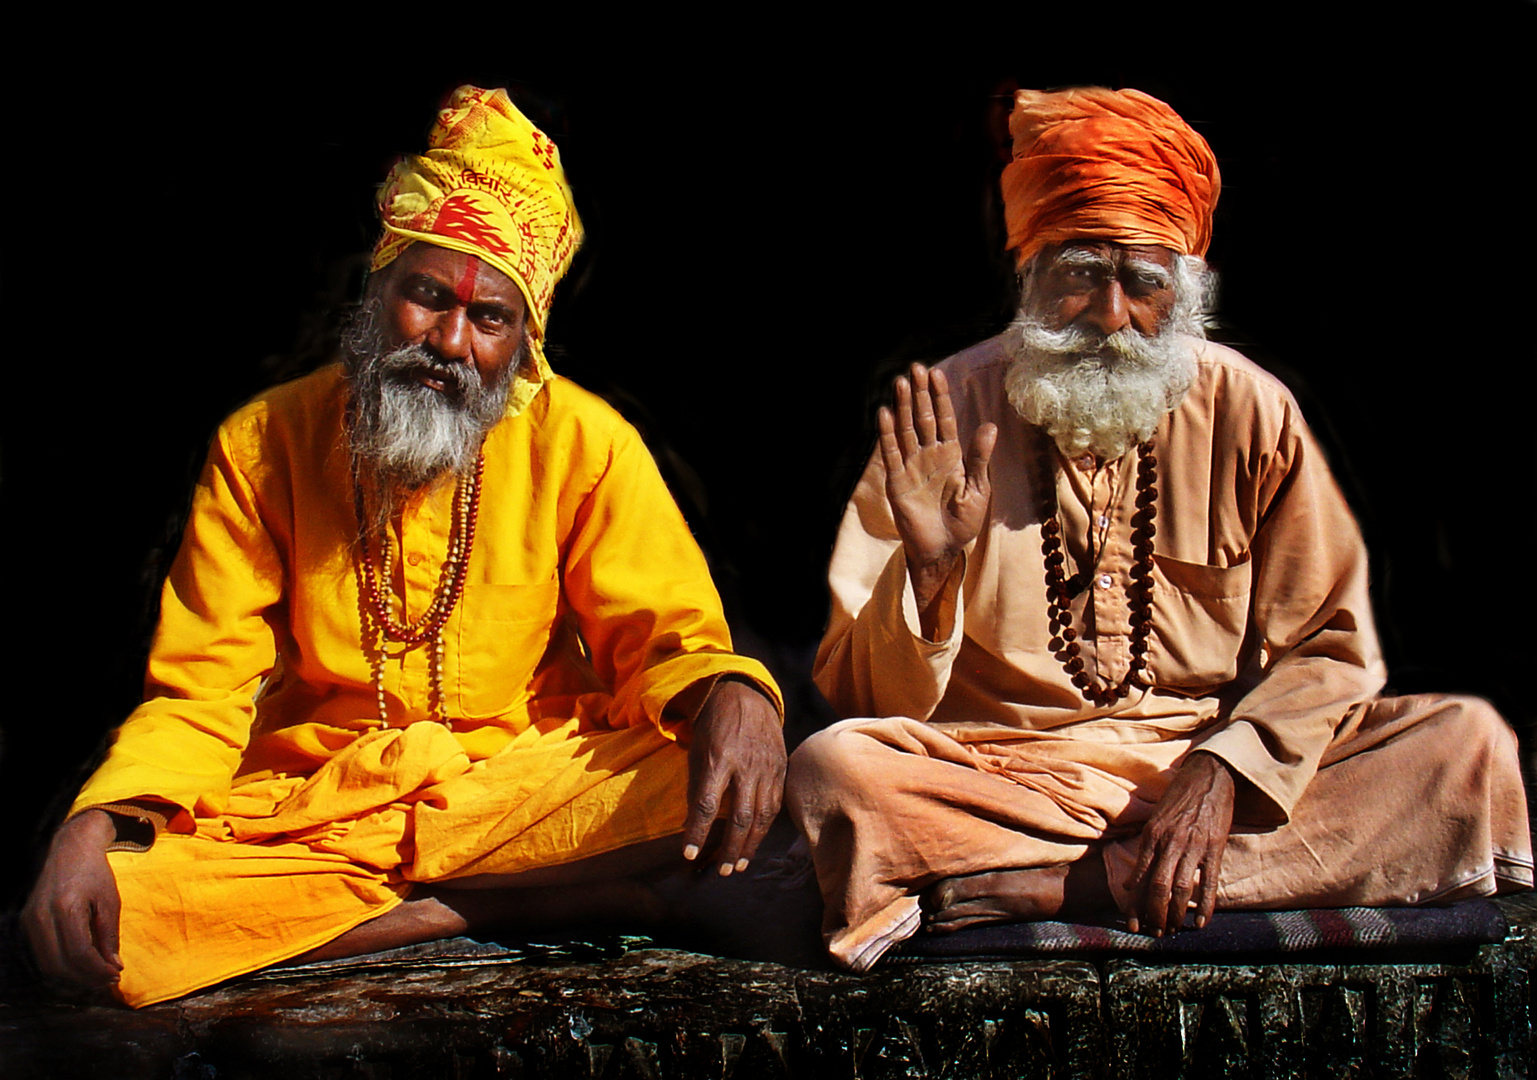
1103,164
489,185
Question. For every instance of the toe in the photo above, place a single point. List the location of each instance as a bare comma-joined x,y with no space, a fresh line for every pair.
938,896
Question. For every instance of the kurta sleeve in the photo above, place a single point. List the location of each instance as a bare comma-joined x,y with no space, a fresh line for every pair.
211,650
1319,655
643,598
874,659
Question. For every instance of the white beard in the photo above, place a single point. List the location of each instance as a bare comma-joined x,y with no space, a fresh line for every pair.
405,436
1094,392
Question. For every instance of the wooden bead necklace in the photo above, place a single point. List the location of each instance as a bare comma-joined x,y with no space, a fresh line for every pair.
445,596
1060,590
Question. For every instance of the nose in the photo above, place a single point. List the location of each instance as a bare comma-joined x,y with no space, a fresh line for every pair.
1108,310
449,336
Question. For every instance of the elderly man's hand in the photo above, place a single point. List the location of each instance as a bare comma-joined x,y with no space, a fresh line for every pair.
71,918
1186,834
938,489
736,771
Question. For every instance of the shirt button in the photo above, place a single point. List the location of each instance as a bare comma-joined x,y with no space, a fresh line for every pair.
1104,522
415,558
1104,581
1085,461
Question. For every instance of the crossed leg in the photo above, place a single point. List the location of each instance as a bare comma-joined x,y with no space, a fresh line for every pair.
909,828
1076,888
613,886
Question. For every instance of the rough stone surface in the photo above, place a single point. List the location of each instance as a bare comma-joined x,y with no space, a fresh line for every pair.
616,1010
1274,1021
649,1013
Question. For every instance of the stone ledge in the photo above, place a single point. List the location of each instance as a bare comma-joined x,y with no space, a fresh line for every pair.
649,1013
653,1012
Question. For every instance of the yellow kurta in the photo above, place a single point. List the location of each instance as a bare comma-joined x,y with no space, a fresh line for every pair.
587,610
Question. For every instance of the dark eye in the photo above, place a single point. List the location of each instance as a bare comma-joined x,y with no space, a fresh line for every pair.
491,318
425,293
1078,278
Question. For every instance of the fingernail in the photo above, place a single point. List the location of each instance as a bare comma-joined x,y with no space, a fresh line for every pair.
691,852
741,864
725,869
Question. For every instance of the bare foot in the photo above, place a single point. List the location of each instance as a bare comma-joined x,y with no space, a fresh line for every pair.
444,912
624,902
996,896
1078,888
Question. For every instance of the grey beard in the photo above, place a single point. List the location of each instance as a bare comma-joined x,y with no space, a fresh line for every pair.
404,436
1095,392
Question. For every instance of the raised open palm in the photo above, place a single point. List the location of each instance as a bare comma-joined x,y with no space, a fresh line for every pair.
938,491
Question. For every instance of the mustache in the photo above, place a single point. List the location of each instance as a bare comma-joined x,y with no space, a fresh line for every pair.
409,363
1080,344
1094,391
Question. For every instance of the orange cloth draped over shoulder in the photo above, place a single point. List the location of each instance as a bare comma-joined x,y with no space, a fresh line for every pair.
1103,164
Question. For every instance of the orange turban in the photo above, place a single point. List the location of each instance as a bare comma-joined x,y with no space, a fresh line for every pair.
489,185
1103,164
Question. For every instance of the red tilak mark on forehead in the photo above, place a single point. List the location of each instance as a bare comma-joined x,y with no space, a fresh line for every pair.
466,288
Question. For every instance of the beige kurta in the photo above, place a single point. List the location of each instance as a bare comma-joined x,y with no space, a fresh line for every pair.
1262,649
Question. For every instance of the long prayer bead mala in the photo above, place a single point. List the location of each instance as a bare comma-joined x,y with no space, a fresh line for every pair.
445,596
1060,590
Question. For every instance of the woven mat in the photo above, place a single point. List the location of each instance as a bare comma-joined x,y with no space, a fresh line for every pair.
1470,922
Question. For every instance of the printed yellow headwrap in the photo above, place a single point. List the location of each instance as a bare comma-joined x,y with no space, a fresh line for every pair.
1106,165
489,185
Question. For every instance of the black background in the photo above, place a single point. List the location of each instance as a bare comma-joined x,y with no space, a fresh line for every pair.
779,216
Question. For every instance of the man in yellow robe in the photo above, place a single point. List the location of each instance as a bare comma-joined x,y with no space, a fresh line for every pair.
1100,617
437,651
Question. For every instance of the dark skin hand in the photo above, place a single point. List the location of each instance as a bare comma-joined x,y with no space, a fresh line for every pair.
736,772
71,918
1184,838
938,489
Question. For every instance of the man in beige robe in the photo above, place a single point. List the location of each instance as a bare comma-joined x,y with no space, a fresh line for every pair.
1109,609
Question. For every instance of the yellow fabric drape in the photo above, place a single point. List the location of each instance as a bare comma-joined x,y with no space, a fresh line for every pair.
587,610
298,860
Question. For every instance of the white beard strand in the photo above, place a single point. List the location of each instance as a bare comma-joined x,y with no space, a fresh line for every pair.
1102,394
405,436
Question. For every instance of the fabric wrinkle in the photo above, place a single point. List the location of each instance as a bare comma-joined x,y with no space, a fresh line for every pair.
1263,652
328,816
